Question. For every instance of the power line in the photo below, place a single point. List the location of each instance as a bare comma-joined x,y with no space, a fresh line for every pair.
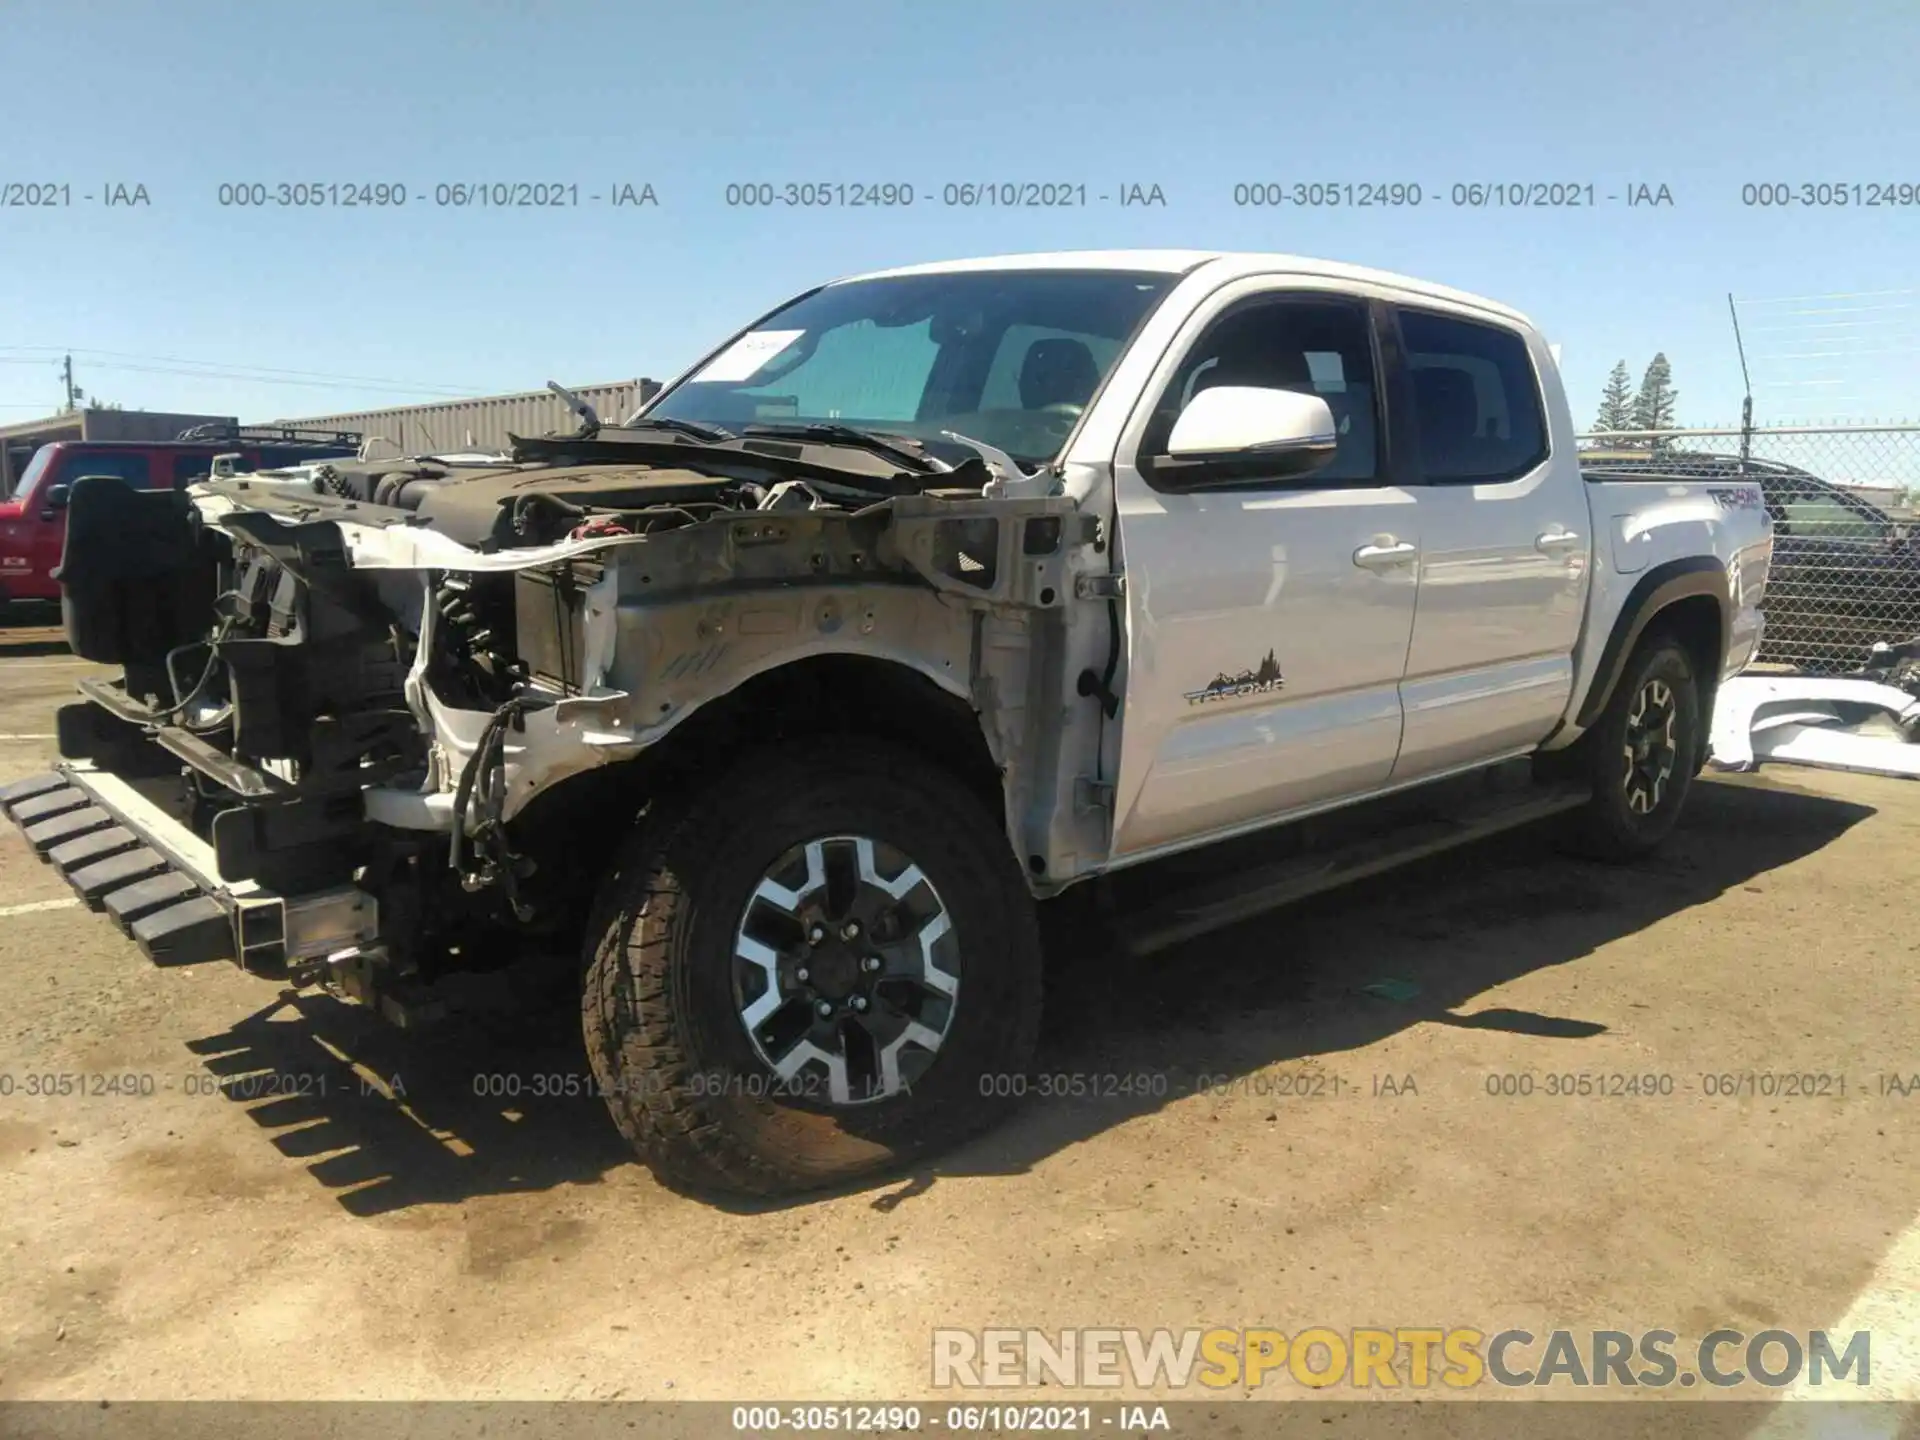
1847,353
1818,325
255,379
227,368
1829,295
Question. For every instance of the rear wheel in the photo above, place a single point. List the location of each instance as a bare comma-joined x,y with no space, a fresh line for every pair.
824,965
1640,755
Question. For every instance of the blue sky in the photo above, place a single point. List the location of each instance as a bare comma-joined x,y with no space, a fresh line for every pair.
406,304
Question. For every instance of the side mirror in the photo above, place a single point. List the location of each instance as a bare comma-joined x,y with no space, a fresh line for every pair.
54,499
1248,433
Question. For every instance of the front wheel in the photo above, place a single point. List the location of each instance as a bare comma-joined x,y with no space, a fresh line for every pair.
826,964
1639,756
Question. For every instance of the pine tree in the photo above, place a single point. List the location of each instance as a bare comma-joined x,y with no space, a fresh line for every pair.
1654,406
1616,401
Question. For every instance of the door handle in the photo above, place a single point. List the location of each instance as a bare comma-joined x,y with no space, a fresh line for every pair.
1389,556
1555,541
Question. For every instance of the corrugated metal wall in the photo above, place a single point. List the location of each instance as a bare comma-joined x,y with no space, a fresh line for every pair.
485,422
18,442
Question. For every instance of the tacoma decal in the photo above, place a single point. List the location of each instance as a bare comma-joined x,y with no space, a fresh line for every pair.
1266,676
1745,497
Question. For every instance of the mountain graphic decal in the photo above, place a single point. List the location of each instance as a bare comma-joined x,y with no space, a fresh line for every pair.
1263,677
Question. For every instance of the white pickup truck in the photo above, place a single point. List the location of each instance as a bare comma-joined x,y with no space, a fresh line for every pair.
776,715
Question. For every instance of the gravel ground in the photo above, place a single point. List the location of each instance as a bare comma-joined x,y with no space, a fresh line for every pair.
321,1237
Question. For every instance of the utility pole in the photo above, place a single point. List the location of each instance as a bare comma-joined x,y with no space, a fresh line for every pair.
1746,382
66,372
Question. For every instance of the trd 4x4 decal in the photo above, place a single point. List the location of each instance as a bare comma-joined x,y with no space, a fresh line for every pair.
1266,676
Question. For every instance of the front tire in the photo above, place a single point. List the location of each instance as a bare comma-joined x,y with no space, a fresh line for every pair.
826,964
1640,755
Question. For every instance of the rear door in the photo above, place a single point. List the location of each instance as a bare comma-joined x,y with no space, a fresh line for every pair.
1504,542
1268,619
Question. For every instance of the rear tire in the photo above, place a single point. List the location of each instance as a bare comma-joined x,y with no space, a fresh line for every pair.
705,977
1640,756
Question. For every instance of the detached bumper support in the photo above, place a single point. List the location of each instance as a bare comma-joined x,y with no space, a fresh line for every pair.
160,883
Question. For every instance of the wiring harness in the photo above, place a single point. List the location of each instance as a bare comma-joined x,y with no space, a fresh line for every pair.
484,857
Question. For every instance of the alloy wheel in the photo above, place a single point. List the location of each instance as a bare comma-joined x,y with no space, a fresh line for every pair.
1649,748
846,970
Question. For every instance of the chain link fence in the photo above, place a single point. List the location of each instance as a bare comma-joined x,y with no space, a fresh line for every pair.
1845,501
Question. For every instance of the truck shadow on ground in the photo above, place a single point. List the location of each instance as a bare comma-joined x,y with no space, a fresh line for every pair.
495,1102
505,1104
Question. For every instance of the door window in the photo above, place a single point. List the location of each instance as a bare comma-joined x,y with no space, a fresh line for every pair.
188,469
1476,401
1810,514
1315,347
129,465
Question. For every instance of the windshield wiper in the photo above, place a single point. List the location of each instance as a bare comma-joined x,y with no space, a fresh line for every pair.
705,434
901,450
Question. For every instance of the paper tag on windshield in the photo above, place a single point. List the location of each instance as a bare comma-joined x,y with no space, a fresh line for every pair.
742,359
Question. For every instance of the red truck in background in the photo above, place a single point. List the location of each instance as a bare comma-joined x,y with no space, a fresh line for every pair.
33,520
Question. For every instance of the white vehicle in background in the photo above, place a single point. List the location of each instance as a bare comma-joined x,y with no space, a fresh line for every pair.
1187,580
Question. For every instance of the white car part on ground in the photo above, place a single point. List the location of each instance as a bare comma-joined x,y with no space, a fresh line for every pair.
1815,720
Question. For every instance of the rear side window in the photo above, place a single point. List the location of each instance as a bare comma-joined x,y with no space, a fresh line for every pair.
1806,513
130,466
1476,401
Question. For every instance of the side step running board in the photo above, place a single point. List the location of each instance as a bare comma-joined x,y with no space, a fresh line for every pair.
1241,896
171,914
161,884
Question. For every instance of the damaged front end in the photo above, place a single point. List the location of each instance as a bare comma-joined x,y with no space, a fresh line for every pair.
387,723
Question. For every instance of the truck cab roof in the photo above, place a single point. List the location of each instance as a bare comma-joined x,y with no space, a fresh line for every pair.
1219,265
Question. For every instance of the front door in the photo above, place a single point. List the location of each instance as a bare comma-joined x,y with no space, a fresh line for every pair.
1268,622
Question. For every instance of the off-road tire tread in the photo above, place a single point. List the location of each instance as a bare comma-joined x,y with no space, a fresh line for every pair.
1597,831
632,1042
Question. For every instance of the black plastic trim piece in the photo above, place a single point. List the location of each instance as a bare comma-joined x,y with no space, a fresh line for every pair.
46,804
97,845
1659,588
127,903
94,881
31,787
193,931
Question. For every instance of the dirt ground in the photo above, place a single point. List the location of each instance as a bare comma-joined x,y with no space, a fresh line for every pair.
190,1243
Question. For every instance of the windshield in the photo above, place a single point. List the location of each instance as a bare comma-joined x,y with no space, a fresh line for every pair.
1010,357
36,467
